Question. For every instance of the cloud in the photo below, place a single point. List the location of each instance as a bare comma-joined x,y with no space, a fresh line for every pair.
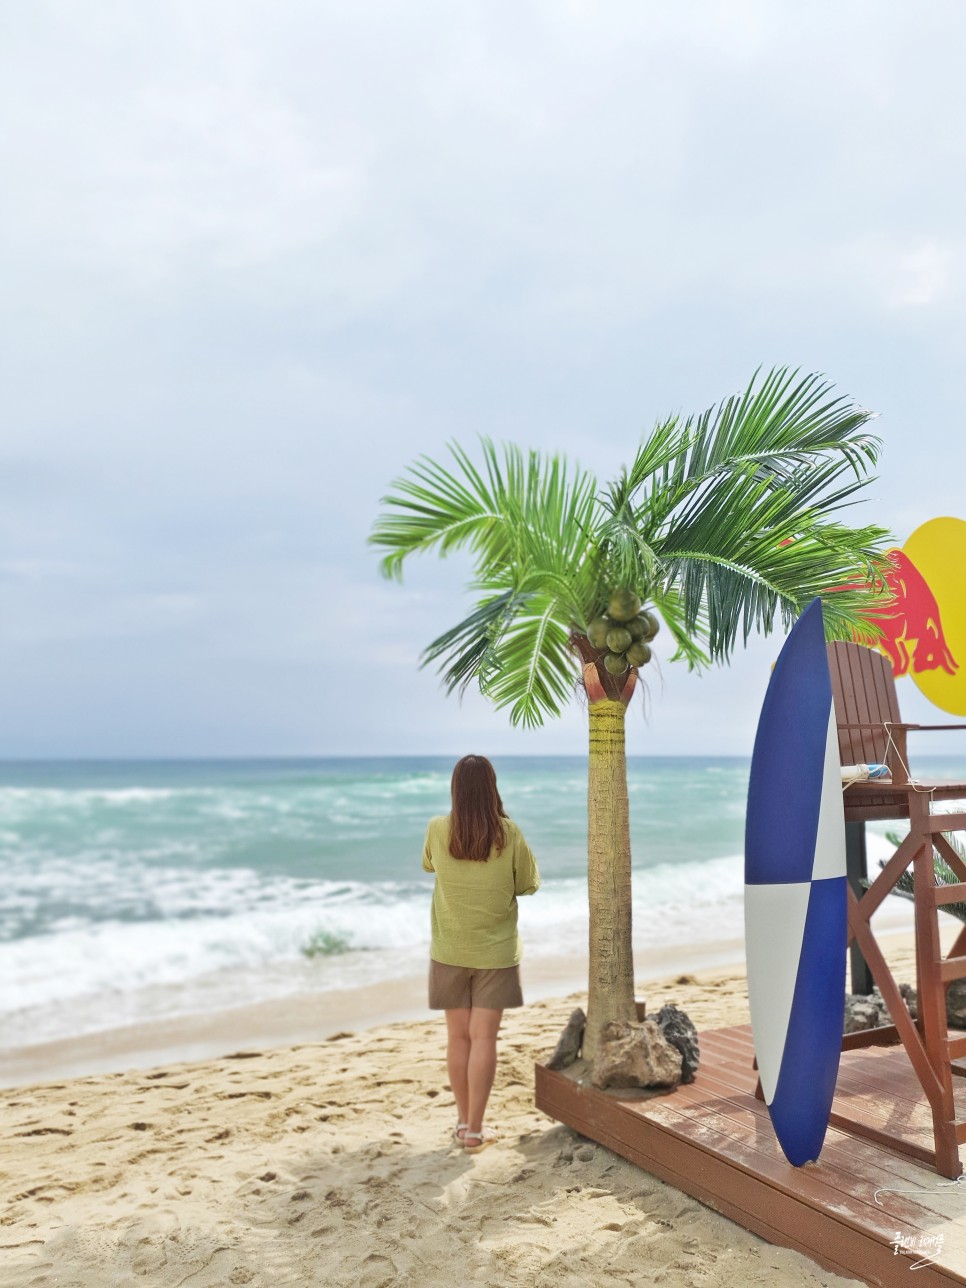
256,260
924,276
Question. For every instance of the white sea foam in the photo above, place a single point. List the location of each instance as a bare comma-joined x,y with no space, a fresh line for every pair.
140,901
18,798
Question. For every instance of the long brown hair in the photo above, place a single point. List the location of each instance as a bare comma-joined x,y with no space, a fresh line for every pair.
476,820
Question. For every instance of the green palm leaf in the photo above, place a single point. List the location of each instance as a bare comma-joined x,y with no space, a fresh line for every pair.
528,520
534,672
725,522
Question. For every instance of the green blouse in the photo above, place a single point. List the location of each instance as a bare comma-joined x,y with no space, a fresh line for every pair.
474,916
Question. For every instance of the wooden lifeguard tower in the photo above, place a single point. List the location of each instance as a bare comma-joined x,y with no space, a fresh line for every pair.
871,730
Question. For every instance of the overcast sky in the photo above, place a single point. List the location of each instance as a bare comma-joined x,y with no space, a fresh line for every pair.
256,257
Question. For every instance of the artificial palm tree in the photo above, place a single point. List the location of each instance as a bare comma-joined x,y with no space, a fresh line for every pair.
723,522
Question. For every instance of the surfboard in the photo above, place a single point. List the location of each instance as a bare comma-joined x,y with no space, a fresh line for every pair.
795,893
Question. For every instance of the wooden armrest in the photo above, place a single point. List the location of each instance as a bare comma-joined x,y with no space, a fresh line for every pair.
896,724
890,724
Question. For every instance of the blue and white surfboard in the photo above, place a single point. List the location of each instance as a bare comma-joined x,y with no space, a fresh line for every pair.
795,893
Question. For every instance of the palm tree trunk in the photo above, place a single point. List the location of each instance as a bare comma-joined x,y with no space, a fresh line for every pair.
611,974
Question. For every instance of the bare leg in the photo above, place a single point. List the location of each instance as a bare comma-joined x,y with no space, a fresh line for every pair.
457,1058
484,1025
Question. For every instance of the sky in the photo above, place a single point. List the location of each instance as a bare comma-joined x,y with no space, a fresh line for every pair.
255,258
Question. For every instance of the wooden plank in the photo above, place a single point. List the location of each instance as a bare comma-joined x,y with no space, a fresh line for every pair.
887,877
911,1040
844,1174
718,1048
852,1082
712,1098
888,1105
955,892
875,809
921,1153
738,1192
664,1104
947,822
950,855
872,1068
892,1088
711,1078
842,699
864,743
884,1035
887,700
931,999
746,1109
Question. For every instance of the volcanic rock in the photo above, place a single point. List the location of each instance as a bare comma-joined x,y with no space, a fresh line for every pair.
635,1055
869,1010
677,1027
568,1048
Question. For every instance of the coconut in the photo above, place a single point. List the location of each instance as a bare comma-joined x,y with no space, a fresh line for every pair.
653,625
637,627
639,653
616,663
618,639
623,605
597,631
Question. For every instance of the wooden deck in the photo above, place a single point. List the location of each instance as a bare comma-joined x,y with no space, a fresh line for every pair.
714,1141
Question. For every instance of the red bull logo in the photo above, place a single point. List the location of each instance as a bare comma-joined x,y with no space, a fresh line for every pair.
924,624
912,629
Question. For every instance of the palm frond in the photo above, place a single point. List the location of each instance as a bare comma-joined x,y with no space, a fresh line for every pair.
530,524
753,552
726,522
465,651
626,559
740,509
432,508
785,420
662,452
774,431
534,667
435,508
668,602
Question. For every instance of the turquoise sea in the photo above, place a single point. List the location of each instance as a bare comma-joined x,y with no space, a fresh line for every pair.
148,890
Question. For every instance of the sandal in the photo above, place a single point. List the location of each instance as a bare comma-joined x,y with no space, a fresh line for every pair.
483,1138
460,1127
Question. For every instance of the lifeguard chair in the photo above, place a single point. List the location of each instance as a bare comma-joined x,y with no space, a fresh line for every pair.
871,730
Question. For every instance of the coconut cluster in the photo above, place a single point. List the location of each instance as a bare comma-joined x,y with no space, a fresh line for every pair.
625,631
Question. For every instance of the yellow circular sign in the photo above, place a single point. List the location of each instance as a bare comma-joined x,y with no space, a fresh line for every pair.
933,612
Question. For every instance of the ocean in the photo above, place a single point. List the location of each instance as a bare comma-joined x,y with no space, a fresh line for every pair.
136,891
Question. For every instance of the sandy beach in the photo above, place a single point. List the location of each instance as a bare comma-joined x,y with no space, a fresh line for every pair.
332,1162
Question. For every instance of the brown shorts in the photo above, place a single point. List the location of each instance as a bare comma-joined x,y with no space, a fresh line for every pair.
455,987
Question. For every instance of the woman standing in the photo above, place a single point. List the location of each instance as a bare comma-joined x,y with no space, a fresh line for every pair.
482,863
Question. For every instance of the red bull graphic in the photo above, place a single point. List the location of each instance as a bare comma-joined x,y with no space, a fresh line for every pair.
912,629
924,624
